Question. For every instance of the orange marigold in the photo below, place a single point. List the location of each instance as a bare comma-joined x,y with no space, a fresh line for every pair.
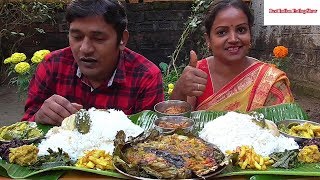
280,51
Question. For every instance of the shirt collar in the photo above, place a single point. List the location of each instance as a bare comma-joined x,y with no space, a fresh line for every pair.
109,82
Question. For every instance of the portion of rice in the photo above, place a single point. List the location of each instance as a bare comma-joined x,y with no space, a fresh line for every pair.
104,127
235,129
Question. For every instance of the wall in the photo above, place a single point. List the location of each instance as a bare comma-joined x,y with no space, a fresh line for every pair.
154,27
304,47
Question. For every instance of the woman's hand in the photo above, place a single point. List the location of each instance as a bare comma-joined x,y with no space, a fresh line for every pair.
55,109
192,81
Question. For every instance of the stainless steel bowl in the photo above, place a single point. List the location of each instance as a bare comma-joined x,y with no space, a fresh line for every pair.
173,122
288,123
163,108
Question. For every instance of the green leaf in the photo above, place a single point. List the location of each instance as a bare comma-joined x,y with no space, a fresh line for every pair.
146,118
310,169
283,111
163,66
267,177
44,128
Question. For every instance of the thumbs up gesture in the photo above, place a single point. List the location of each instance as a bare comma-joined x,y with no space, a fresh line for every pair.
192,81
193,59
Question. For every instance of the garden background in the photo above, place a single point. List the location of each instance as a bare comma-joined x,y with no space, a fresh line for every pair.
155,29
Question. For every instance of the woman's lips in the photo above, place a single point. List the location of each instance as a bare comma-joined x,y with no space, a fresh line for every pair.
233,49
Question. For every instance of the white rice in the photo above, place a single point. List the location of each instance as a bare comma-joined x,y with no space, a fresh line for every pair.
235,129
104,127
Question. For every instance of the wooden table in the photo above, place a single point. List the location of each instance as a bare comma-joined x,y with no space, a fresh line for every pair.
73,175
85,175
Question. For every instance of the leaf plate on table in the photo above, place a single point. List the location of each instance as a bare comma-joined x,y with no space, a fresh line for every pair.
145,120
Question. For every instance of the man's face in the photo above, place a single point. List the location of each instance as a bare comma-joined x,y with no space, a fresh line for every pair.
94,46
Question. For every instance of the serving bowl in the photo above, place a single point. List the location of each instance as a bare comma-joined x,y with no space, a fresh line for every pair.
288,123
173,108
168,124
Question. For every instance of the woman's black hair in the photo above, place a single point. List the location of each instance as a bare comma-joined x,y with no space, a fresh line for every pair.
218,5
112,11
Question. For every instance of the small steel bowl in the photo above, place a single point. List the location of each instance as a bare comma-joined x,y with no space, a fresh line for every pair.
288,123
168,124
173,108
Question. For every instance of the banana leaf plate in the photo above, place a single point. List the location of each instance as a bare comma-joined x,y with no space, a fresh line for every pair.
145,120
218,171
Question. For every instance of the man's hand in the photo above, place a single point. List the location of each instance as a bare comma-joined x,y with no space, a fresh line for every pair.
192,81
55,109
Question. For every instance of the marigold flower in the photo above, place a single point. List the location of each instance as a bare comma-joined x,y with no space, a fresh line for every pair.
22,67
280,51
171,86
7,61
18,57
170,91
38,56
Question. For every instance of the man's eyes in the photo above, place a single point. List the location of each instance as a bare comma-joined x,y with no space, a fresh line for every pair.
76,36
79,37
99,39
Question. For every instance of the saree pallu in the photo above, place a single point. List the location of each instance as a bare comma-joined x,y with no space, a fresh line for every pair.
251,89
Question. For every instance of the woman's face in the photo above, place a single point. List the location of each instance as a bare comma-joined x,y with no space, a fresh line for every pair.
230,36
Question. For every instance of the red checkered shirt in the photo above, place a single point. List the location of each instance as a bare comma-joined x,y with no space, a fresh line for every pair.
135,86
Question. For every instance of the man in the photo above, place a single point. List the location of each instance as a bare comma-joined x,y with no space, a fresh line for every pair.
97,70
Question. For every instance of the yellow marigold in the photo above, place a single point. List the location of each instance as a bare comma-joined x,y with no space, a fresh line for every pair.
22,67
170,86
38,56
18,57
280,51
170,91
7,61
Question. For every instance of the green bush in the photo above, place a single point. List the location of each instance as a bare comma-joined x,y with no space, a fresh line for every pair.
169,77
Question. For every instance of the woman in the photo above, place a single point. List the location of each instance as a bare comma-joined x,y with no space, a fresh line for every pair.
230,80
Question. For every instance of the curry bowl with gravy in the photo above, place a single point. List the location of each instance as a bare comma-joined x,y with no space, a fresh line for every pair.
173,108
167,124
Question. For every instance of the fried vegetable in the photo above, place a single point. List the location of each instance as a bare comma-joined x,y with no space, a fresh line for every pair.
167,156
82,121
247,158
25,155
59,158
20,130
287,159
96,159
